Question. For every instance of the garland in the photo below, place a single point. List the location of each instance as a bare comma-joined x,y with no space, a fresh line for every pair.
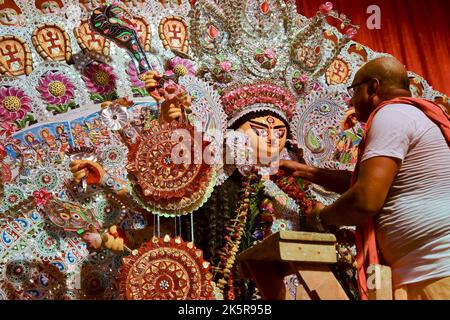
246,210
295,188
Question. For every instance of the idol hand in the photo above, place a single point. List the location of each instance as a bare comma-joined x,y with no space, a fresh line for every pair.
112,240
173,108
151,81
91,170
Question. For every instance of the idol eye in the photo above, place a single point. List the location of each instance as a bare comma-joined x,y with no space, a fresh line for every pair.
64,216
124,38
261,132
76,216
279,133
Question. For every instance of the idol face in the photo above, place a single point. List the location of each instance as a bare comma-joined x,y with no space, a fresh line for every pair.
90,5
9,17
50,7
268,135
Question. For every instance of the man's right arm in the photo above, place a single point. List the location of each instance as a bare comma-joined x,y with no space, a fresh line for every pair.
334,180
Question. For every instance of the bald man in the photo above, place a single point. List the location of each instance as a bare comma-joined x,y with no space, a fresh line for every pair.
402,181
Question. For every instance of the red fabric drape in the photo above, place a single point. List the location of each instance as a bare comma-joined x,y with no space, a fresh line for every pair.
417,32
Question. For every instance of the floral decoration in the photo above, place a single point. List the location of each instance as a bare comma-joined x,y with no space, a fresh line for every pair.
137,85
299,81
267,58
41,197
115,116
15,106
57,91
223,70
180,67
101,82
295,188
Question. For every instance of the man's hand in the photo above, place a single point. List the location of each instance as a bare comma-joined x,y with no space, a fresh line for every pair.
91,170
295,169
333,180
313,216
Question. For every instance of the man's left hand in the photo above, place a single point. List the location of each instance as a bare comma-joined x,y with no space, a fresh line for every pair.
313,216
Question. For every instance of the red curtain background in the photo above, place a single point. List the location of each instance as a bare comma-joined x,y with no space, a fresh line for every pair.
417,32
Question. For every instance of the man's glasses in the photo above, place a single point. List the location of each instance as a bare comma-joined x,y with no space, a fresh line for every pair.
352,89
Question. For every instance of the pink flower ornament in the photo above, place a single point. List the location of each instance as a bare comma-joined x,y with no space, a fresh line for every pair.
100,78
269,53
225,66
56,89
326,8
14,104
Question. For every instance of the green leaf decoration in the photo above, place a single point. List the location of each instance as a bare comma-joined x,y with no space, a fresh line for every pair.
312,142
95,97
139,91
28,120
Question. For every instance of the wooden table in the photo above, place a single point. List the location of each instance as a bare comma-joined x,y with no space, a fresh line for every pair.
305,254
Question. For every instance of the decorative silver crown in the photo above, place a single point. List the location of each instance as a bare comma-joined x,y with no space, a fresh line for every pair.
262,41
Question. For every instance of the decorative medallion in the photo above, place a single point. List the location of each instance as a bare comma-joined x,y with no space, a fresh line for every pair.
15,56
308,57
166,269
113,156
144,31
315,126
358,53
18,271
90,42
94,282
46,178
52,43
338,72
12,197
173,33
170,177
48,244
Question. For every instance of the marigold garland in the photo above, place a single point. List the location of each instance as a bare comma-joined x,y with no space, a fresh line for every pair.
236,230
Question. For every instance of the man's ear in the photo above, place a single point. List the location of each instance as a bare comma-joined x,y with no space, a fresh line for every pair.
372,88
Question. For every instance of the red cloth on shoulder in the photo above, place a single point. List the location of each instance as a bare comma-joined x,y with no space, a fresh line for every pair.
366,243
